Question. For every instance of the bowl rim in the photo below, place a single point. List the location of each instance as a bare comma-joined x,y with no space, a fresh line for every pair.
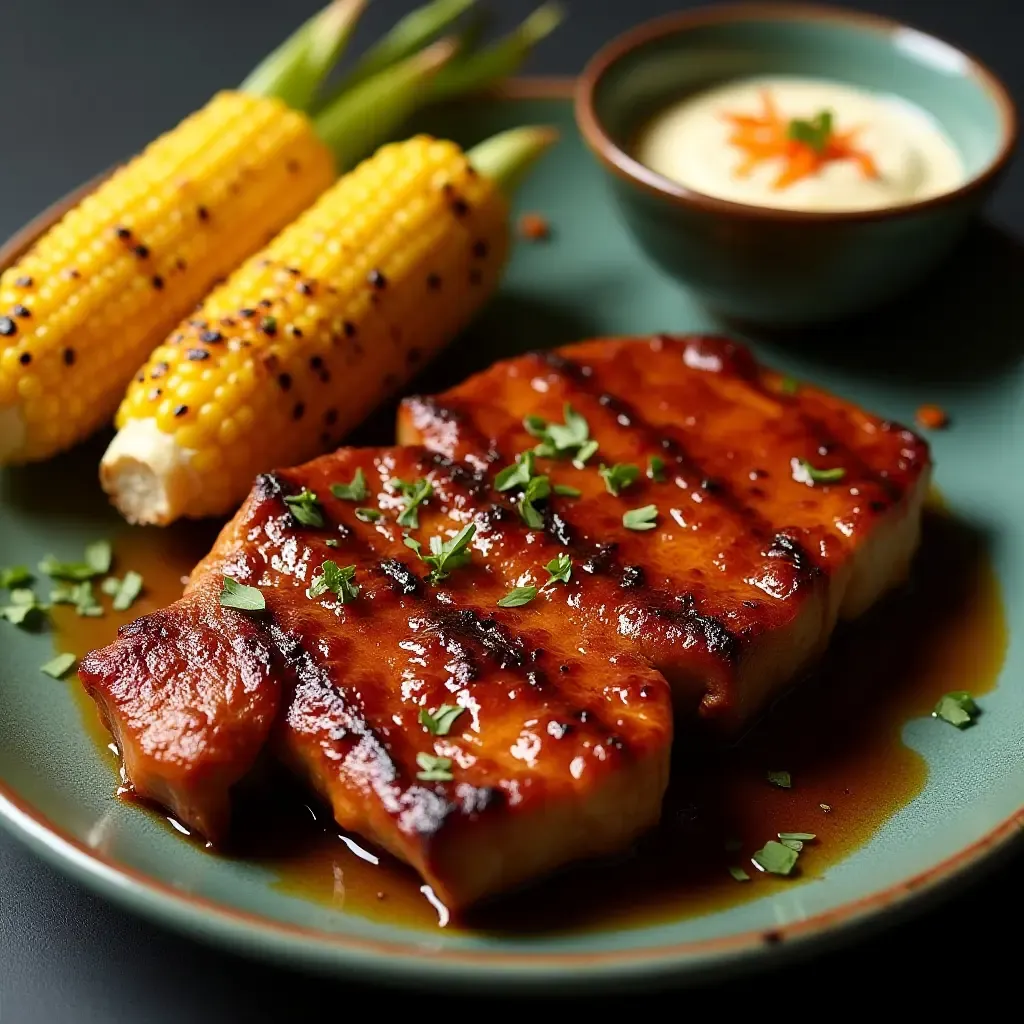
620,163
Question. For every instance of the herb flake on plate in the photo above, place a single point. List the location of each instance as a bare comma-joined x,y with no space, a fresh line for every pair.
15,577
124,591
24,609
781,779
958,708
775,859
59,666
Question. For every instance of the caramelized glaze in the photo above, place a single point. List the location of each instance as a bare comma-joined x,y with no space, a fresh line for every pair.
838,734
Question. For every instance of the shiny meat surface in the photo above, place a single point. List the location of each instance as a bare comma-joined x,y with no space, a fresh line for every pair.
740,584
560,750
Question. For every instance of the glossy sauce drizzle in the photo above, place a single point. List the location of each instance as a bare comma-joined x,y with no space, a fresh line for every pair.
838,735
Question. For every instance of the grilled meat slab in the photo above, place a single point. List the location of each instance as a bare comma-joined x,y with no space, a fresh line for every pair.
561,748
752,562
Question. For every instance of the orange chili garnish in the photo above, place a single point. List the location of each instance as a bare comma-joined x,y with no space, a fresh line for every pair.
932,417
805,146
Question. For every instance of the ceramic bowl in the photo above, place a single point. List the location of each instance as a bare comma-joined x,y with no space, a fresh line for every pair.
779,267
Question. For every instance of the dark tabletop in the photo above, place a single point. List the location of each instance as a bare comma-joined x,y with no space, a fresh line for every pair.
85,83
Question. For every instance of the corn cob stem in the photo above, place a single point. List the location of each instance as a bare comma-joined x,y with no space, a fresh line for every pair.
359,121
409,35
336,312
296,69
477,70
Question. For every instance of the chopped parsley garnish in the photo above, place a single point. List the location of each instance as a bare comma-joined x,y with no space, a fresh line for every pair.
24,610
433,768
805,473
59,667
958,708
656,469
560,568
586,452
415,493
562,440
336,580
640,518
739,874
535,426
781,779
14,577
789,386
775,858
445,556
440,722
81,595
815,132
98,558
536,490
518,597
369,515
565,491
124,592
618,477
354,490
305,508
518,474
240,597
331,542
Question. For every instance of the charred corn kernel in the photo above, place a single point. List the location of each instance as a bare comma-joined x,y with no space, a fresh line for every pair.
308,336
84,307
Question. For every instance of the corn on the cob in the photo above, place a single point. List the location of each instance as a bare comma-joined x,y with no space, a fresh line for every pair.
82,309
100,289
307,336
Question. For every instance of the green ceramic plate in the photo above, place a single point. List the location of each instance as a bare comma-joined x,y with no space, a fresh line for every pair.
953,345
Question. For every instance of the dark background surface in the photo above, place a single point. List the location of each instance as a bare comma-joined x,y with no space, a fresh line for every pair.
85,83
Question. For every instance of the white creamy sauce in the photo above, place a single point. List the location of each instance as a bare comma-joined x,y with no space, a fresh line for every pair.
689,142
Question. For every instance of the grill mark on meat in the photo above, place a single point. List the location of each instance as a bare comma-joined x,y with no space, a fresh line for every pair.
667,438
403,579
505,649
352,737
600,559
462,632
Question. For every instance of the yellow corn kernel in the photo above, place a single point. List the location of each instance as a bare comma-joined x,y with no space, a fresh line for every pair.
84,307
309,335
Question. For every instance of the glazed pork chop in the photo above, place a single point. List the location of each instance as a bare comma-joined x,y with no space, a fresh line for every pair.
562,743
770,514
780,508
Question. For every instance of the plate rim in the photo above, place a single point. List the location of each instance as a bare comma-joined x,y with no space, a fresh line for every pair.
416,964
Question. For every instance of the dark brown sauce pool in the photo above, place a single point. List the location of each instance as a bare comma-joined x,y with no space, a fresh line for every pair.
838,736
